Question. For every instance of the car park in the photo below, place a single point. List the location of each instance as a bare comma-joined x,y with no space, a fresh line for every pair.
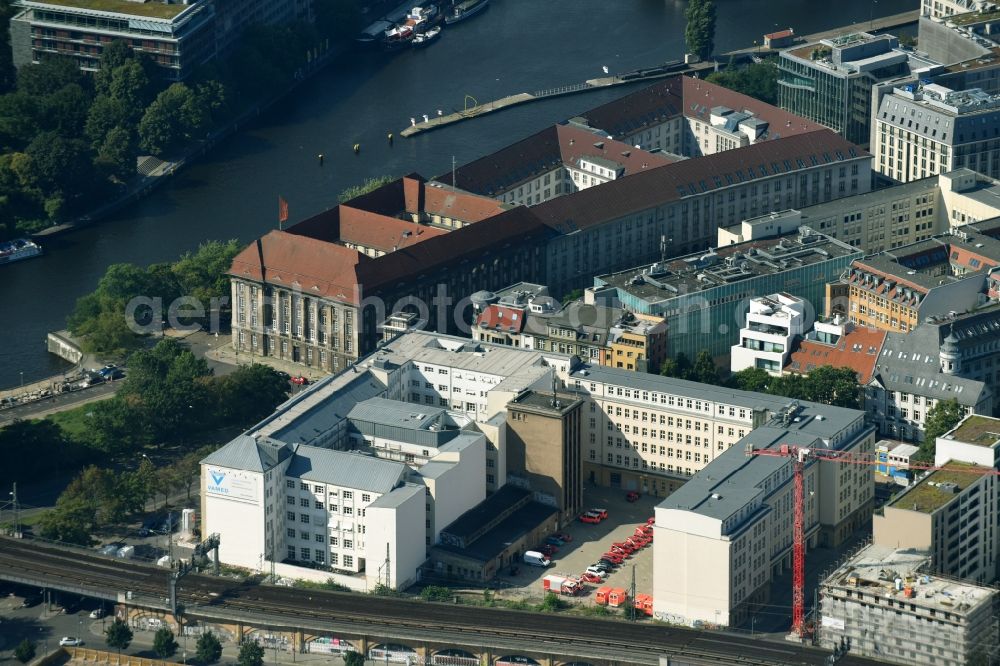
590,518
70,641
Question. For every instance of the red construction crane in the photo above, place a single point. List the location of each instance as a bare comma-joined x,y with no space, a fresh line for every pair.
799,455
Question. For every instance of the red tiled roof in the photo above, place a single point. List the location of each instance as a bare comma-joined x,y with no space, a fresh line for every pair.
459,205
314,266
502,318
781,34
648,106
387,234
543,151
671,182
700,96
858,350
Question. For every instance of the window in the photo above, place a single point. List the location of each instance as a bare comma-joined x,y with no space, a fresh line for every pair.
348,543
348,494
289,483
291,552
319,538
304,502
319,555
291,533
291,500
319,504
348,510
334,508
304,517
303,486
291,515
304,553
366,497
348,560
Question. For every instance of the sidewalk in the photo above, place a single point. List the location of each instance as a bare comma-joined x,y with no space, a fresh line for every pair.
219,349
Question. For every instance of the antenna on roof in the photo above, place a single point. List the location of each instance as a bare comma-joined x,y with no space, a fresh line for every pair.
555,402
452,172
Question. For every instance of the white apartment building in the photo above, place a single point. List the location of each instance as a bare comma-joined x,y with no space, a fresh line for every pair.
954,513
772,326
882,604
925,129
727,533
942,8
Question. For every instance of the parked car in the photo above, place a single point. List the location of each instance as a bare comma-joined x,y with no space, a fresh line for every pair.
565,536
651,520
594,572
602,513
590,518
71,606
70,641
613,557
97,613
284,375
606,564
632,496
555,541
300,381
624,545
31,600
548,549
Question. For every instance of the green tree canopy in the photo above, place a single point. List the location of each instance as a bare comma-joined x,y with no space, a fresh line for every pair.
704,369
49,76
370,185
164,644
758,80
118,635
679,367
354,659
250,393
251,654
25,651
699,33
941,418
751,379
208,649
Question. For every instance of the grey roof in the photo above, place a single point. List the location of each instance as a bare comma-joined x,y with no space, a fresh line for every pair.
247,453
834,418
728,483
349,470
395,413
519,523
812,215
320,408
397,497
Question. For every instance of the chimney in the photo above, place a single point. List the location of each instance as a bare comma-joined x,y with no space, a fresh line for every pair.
413,193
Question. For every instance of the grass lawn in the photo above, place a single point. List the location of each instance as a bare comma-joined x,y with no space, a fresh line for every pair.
75,422
150,9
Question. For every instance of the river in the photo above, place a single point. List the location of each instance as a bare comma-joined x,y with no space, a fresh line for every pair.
516,46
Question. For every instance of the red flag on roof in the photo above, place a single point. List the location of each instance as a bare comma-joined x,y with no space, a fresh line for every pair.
282,210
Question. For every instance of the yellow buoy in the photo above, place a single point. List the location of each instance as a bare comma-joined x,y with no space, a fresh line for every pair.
357,148
321,157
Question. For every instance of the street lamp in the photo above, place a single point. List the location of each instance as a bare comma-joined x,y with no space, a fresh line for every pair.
22,380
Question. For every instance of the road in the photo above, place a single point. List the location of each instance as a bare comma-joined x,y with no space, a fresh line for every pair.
58,403
211,598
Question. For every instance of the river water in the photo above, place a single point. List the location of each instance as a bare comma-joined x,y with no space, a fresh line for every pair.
516,46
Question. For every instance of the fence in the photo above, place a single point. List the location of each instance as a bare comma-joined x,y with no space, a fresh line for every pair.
90,656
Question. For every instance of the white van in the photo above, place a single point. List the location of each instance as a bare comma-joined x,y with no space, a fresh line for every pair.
535,559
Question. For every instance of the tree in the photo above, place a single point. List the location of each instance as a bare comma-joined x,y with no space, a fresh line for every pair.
164,644
104,115
704,369
117,154
699,34
751,379
25,651
118,636
834,386
758,80
175,115
48,76
354,659
56,165
202,273
250,393
941,418
208,649
114,54
65,111
251,654
679,367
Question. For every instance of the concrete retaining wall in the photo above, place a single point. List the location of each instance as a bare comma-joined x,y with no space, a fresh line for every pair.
63,345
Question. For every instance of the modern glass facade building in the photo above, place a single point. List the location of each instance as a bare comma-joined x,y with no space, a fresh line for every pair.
705,297
830,81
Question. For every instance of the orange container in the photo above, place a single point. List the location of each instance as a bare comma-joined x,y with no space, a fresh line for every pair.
618,597
602,596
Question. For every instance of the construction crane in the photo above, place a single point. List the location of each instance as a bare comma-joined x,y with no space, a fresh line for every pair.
799,455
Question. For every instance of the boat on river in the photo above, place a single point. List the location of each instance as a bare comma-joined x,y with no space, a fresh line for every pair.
427,38
466,9
18,249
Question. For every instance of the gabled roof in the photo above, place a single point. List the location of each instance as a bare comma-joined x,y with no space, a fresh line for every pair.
502,318
387,234
631,113
348,470
443,200
701,96
672,182
529,158
858,350
248,453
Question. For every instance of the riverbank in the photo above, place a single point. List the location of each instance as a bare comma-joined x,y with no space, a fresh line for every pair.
154,175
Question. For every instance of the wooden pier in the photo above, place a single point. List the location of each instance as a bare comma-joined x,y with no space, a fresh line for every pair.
670,69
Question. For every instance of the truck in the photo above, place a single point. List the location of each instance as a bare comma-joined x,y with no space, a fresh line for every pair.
644,604
126,552
560,584
535,559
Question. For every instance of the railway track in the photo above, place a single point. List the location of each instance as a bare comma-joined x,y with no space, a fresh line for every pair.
212,597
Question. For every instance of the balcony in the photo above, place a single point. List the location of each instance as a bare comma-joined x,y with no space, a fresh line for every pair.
767,329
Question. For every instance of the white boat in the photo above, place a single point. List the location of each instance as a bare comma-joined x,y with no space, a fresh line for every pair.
427,38
18,249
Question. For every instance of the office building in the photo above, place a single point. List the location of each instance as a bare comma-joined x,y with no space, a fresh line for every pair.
178,37
952,513
830,81
839,343
894,459
704,297
726,534
774,323
925,129
945,8
882,604
526,316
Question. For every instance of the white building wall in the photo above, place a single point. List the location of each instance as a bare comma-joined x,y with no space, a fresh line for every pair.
950,449
235,498
399,532
459,488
